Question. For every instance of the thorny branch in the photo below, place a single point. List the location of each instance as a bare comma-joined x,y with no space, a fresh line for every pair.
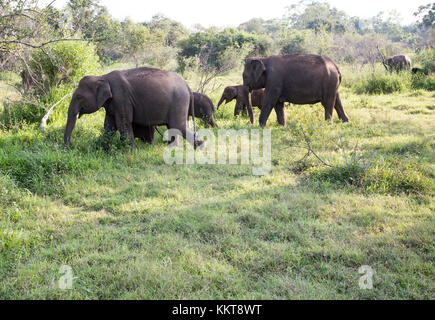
309,149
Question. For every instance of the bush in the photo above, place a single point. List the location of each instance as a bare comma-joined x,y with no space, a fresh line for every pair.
65,61
421,81
426,59
395,178
386,177
382,83
58,69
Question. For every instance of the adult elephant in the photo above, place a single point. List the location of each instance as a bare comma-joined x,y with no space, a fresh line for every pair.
242,95
136,100
296,78
204,109
398,63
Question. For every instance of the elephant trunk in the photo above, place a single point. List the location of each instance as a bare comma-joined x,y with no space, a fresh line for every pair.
220,102
71,122
212,121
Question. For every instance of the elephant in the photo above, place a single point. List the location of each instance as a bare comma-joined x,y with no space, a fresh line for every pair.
204,109
295,78
135,100
242,96
242,100
397,63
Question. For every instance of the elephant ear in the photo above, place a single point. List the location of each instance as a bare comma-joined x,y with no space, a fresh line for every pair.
104,92
232,93
258,69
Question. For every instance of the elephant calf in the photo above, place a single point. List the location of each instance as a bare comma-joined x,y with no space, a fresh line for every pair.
242,101
136,101
204,108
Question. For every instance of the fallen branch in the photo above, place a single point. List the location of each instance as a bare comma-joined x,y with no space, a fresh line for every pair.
49,111
309,149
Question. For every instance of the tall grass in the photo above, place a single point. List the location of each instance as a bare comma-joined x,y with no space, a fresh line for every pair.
383,82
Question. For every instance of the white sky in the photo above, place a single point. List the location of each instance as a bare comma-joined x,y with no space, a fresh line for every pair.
233,12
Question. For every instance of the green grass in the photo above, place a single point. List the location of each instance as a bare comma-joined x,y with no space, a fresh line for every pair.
132,227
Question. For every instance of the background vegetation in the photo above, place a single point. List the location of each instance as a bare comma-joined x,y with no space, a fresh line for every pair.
131,226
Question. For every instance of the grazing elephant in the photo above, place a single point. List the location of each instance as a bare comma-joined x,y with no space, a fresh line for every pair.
204,108
397,63
296,78
242,100
136,101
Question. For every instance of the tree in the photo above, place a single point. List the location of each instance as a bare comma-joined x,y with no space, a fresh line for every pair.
317,16
217,42
255,25
426,14
173,31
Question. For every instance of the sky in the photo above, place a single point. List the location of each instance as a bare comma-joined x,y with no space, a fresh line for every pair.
223,13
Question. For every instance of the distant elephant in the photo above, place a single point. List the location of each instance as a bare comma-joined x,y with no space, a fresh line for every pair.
296,78
242,100
136,101
204,108
398,63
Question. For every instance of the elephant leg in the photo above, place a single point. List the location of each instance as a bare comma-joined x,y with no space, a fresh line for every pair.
236,110
328,103
109,124
145,133
125,127
185,133
280,114
270,100
339,108
244,111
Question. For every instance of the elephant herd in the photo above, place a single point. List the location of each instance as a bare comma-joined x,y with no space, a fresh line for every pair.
138,100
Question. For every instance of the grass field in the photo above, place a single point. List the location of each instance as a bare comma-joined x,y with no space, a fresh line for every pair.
132,227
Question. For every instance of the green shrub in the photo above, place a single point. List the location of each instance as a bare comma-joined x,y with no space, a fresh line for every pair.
15,113
421,81
59,68
66,61
426,59
386,177
382,83
396,177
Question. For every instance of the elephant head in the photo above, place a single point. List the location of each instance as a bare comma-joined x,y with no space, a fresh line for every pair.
91,94
254,74
229,94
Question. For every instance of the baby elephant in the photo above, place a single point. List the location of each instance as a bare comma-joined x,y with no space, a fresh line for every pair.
242,104
204,108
